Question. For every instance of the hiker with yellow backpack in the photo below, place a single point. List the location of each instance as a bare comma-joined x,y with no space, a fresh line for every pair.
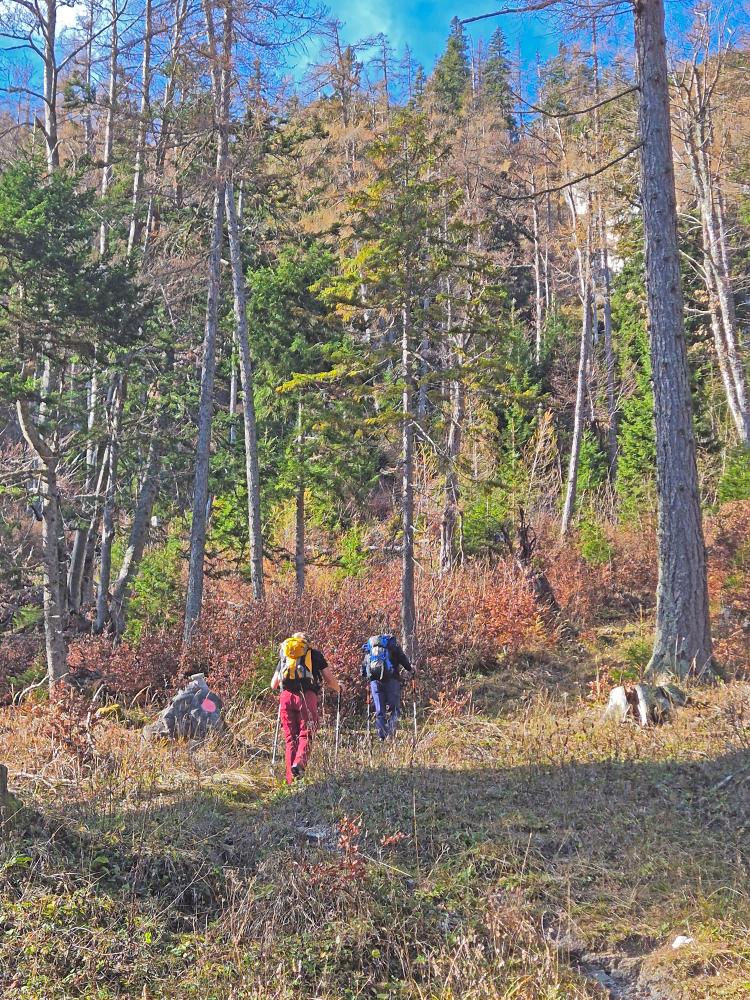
301,674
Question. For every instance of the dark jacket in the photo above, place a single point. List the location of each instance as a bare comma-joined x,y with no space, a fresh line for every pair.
398,658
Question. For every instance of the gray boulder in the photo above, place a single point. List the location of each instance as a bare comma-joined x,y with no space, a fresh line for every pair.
193,713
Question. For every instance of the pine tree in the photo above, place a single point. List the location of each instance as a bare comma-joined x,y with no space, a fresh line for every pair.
496,81
452,74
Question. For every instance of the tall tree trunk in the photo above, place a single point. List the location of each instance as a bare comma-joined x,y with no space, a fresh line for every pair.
538,291
86,597
109,134
252,468
584,358
579,416
221,78
109,508
140,142
606,282
88,125
220,68
167,112
139,530
78,552
717,267
54,579
194,598
49,85
610,361
682,643
233,384
299,535
408,609
452,488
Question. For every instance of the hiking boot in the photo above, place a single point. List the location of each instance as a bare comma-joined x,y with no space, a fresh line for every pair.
297,772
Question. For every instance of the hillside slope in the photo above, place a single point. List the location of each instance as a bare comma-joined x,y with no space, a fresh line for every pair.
533,853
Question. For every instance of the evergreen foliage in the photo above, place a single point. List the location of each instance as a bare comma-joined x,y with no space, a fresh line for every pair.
451,78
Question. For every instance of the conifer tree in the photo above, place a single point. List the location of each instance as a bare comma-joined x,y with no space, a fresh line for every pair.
496,90
451,77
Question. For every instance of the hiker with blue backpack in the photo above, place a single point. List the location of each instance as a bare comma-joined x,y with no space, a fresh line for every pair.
382,662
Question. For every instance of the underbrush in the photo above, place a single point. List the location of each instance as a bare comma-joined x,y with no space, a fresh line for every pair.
486,858
474,620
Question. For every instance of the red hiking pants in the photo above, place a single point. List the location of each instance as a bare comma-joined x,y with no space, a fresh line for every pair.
299,717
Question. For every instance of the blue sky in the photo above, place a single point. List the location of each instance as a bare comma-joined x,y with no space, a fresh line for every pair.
425,24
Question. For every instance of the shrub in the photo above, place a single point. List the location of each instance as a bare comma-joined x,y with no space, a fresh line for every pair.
353,554
21,663
593,543
476,615
157,592
735,480
149,668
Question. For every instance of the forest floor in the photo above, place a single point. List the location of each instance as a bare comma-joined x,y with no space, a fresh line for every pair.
519,848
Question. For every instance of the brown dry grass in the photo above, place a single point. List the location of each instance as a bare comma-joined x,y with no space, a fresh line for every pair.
486,858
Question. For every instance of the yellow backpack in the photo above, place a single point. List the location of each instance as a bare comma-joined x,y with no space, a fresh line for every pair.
295,662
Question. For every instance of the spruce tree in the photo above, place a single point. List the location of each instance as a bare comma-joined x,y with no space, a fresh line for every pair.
496,81
452,74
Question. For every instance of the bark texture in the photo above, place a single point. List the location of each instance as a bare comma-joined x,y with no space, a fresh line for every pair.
408,609
194,598
682,642
54,579
252,468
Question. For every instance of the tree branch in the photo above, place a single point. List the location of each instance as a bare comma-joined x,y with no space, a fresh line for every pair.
567,184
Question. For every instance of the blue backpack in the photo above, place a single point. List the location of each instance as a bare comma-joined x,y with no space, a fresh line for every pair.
378,663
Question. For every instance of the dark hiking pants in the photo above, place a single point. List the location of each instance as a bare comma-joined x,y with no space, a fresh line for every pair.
386,699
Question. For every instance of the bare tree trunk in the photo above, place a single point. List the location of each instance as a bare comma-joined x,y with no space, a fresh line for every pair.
220,83
221,86
610,360
584,357
233,383
716,263
579,416
88,125
452,488
54,579
140,528
408,610
538,292
299,535
609,354
167,110
49,84
140,142
86,597
110,122
108,511
682,643
194,598
78,552
252,469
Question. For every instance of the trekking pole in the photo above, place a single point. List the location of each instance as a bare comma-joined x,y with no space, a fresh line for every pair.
369,738
338,723
276,737
414,706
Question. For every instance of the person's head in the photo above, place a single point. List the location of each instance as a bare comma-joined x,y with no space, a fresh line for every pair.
295,646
